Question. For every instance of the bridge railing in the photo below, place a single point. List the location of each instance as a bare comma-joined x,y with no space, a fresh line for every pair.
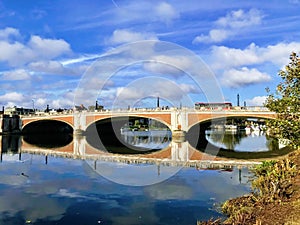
235,109
162,109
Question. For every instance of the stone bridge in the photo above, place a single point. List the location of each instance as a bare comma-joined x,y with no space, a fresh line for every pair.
175,119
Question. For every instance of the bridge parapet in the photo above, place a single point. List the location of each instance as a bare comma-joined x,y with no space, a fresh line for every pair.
139,110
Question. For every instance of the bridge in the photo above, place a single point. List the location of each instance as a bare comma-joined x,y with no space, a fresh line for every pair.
177,120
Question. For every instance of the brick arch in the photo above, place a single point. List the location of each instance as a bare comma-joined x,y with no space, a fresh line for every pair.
165,119
67,120
200,118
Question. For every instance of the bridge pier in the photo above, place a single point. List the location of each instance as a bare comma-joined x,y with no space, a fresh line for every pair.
179,124
10,124
178,136
79,123
78,132
179,120
80,144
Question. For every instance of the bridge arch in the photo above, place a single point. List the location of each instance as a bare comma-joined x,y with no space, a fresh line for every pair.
68,119
47,124
224,117
96,119
107,132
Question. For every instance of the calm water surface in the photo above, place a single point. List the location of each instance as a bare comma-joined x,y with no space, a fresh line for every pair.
241,141
46,189
36,189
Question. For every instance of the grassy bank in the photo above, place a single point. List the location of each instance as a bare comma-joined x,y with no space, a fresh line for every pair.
275,198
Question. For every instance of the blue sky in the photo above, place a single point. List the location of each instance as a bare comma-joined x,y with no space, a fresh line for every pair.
46,47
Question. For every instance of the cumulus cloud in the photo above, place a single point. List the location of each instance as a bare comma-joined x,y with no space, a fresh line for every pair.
215,35
165,64
13,97
243,77
41,102
129,93
19,74
50,48
225,57
150,87
256,101
145,11
166,12
188,88
240,19
121,36
52,67
231,25
16,53
8,33
279,53
61,103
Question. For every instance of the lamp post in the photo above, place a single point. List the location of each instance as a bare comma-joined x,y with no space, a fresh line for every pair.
33,106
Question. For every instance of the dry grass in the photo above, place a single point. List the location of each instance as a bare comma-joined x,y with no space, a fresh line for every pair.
275,199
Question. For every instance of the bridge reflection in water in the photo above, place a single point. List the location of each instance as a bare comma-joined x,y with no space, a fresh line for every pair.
173,154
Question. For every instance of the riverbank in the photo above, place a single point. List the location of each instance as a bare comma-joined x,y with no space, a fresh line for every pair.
275,198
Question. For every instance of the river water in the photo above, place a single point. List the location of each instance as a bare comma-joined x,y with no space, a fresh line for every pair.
44,184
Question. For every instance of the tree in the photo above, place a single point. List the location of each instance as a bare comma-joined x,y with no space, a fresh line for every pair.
286,103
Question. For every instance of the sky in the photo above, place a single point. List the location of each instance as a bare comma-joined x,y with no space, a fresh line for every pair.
127,53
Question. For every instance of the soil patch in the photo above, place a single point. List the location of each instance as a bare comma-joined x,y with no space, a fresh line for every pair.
275,198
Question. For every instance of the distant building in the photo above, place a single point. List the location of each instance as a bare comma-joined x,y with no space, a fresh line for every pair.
80,108
17,111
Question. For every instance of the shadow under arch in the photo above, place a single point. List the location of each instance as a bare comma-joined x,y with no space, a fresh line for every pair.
47,126
109,136
48,133
201,144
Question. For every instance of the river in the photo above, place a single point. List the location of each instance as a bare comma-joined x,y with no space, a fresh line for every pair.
51,184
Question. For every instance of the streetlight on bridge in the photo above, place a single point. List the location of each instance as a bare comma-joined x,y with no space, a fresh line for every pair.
33,106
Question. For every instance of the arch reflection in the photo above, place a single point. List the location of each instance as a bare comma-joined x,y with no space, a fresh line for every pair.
128,135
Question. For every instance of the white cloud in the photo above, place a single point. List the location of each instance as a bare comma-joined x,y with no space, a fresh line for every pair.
19,74
279,53
129,93
243,77
48,48
239,19
165,64
80,59
16,53
153,87
52,67
121,36
145,12
215,35
256,101
166,12
231,25
13,97
61,103
40,102
225,57
8,33
187,88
